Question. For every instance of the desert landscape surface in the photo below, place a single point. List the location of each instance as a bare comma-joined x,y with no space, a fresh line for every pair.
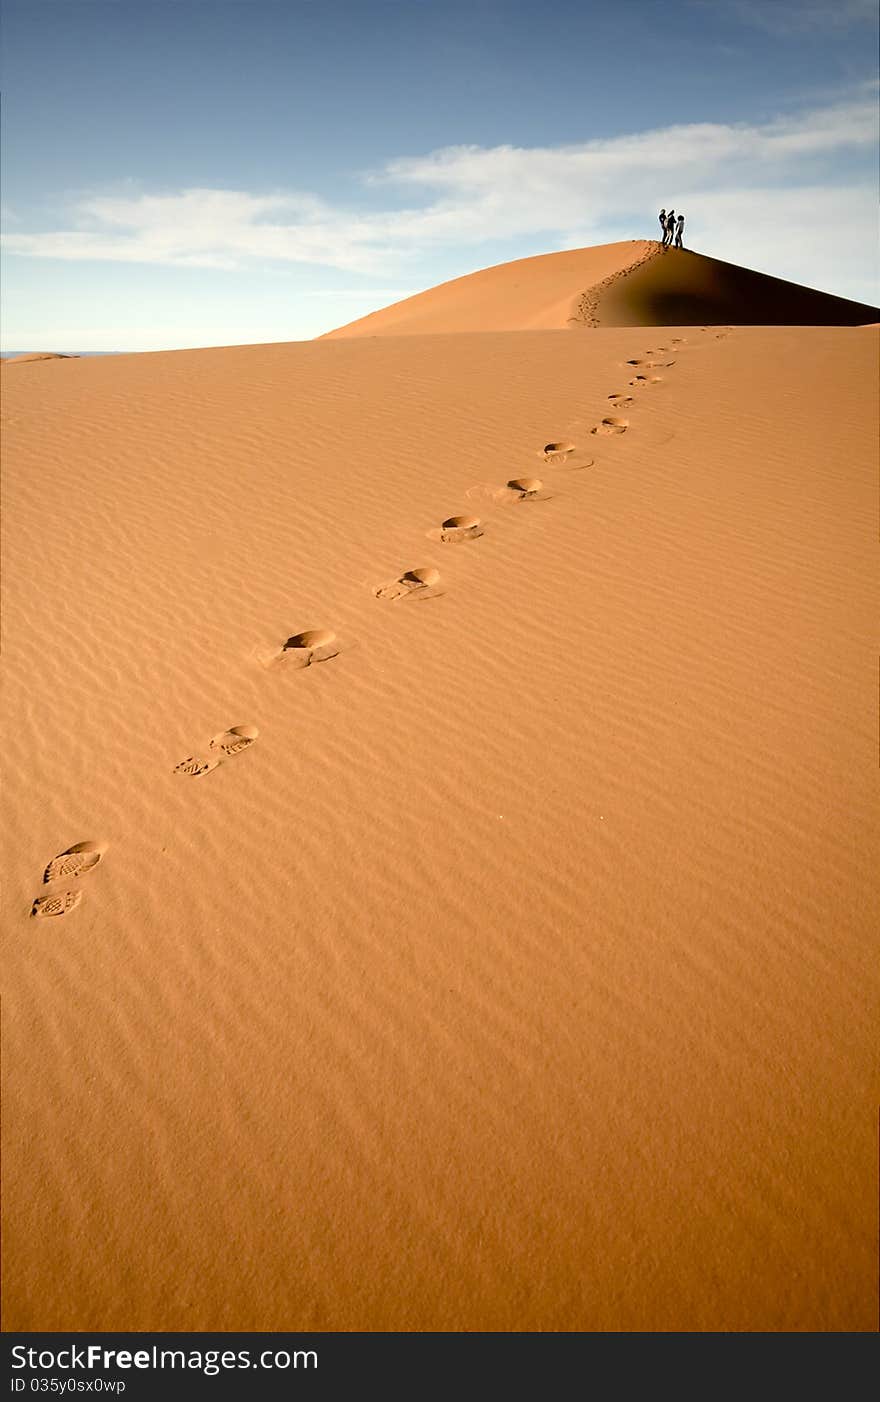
441,816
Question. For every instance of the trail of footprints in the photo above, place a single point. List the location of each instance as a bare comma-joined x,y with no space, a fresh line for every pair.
588,304
315,645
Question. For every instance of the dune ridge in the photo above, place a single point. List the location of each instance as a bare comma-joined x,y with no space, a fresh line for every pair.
636,283
529,294
37,355
535,928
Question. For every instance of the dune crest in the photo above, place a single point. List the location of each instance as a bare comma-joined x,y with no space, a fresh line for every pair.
37,355
530,294
637,283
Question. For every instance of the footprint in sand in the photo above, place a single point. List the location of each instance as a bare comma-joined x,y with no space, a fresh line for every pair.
232,741
642,381
61,904
83,857
526,488
223,746
611,425
620,401
515,490
73,862
195,765
459,528
421,583
301,650
557,452
314,645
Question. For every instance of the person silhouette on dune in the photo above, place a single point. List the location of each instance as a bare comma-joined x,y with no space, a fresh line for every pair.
679,230
670,229
663,223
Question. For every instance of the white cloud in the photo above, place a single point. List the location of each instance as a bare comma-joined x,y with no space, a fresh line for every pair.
813,235
769,190
791,17
200,228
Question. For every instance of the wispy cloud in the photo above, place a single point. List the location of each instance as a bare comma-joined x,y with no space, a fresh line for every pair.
199,228
776,182
792,17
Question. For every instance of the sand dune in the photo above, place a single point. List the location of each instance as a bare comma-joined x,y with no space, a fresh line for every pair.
37,355
527,295
637,283
449,769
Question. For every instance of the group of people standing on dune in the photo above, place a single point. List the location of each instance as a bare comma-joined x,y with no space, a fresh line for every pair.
673,228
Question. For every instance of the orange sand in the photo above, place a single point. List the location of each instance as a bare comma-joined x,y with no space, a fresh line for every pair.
510,966
636,283
38,355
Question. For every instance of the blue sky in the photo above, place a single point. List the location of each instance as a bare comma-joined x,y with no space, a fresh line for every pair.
211,172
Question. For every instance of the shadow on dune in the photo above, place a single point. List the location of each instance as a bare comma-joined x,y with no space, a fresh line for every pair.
681,288
634,283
